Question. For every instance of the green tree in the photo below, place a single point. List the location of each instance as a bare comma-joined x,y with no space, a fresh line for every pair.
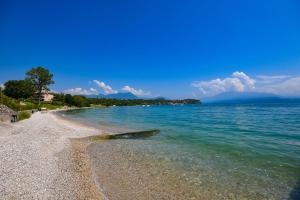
59,97
69,99
1,93
19,89
41,78
80,101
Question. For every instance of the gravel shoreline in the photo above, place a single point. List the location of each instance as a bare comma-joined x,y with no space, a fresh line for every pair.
42,159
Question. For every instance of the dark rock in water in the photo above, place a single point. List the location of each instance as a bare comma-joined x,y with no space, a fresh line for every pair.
129,135
138,134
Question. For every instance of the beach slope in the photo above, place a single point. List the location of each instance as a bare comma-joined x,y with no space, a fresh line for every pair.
40,160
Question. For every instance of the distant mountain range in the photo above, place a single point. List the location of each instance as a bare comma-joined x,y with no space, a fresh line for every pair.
227,97
248,97
125,95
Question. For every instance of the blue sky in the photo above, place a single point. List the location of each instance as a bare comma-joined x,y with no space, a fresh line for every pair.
165,48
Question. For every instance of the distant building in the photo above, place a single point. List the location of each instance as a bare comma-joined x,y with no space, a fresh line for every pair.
47,96
7,114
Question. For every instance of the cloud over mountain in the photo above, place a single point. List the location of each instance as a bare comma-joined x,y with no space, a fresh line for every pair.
137,92
241,82
81,91
286,87
271,79
238,81
106,88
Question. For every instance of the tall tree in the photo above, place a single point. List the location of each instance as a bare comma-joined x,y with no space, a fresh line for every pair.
69,99
19,89
41,79
59,97
80,101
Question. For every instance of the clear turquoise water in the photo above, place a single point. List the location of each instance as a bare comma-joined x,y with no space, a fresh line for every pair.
242,148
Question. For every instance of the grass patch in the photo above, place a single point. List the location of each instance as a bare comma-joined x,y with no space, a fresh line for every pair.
23,115
50,106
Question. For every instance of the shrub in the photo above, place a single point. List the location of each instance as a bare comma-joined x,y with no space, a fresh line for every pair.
19,89
57,103
80,101
49,106
23,115
10,102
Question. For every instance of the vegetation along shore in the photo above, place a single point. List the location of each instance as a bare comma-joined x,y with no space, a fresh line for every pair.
33,93
50,153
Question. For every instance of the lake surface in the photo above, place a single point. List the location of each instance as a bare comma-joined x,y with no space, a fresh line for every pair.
208,151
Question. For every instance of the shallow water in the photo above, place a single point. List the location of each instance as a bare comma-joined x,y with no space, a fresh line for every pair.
211,151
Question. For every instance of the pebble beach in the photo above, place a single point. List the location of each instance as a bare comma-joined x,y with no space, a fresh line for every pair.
63,156
40,159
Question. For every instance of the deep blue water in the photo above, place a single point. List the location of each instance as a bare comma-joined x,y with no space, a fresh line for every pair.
252,148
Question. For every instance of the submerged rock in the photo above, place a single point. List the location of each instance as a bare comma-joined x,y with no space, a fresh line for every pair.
128,135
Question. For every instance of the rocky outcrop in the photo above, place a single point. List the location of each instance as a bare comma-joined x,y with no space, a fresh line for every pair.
7,114
6,110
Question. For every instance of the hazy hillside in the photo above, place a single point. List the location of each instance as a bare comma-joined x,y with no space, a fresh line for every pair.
248,97
127,95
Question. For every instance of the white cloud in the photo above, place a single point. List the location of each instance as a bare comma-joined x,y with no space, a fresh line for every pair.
264,77
106,88
138,92
80,91
238,81
271,79
54,91
287,87
2,86
248,82
241,82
